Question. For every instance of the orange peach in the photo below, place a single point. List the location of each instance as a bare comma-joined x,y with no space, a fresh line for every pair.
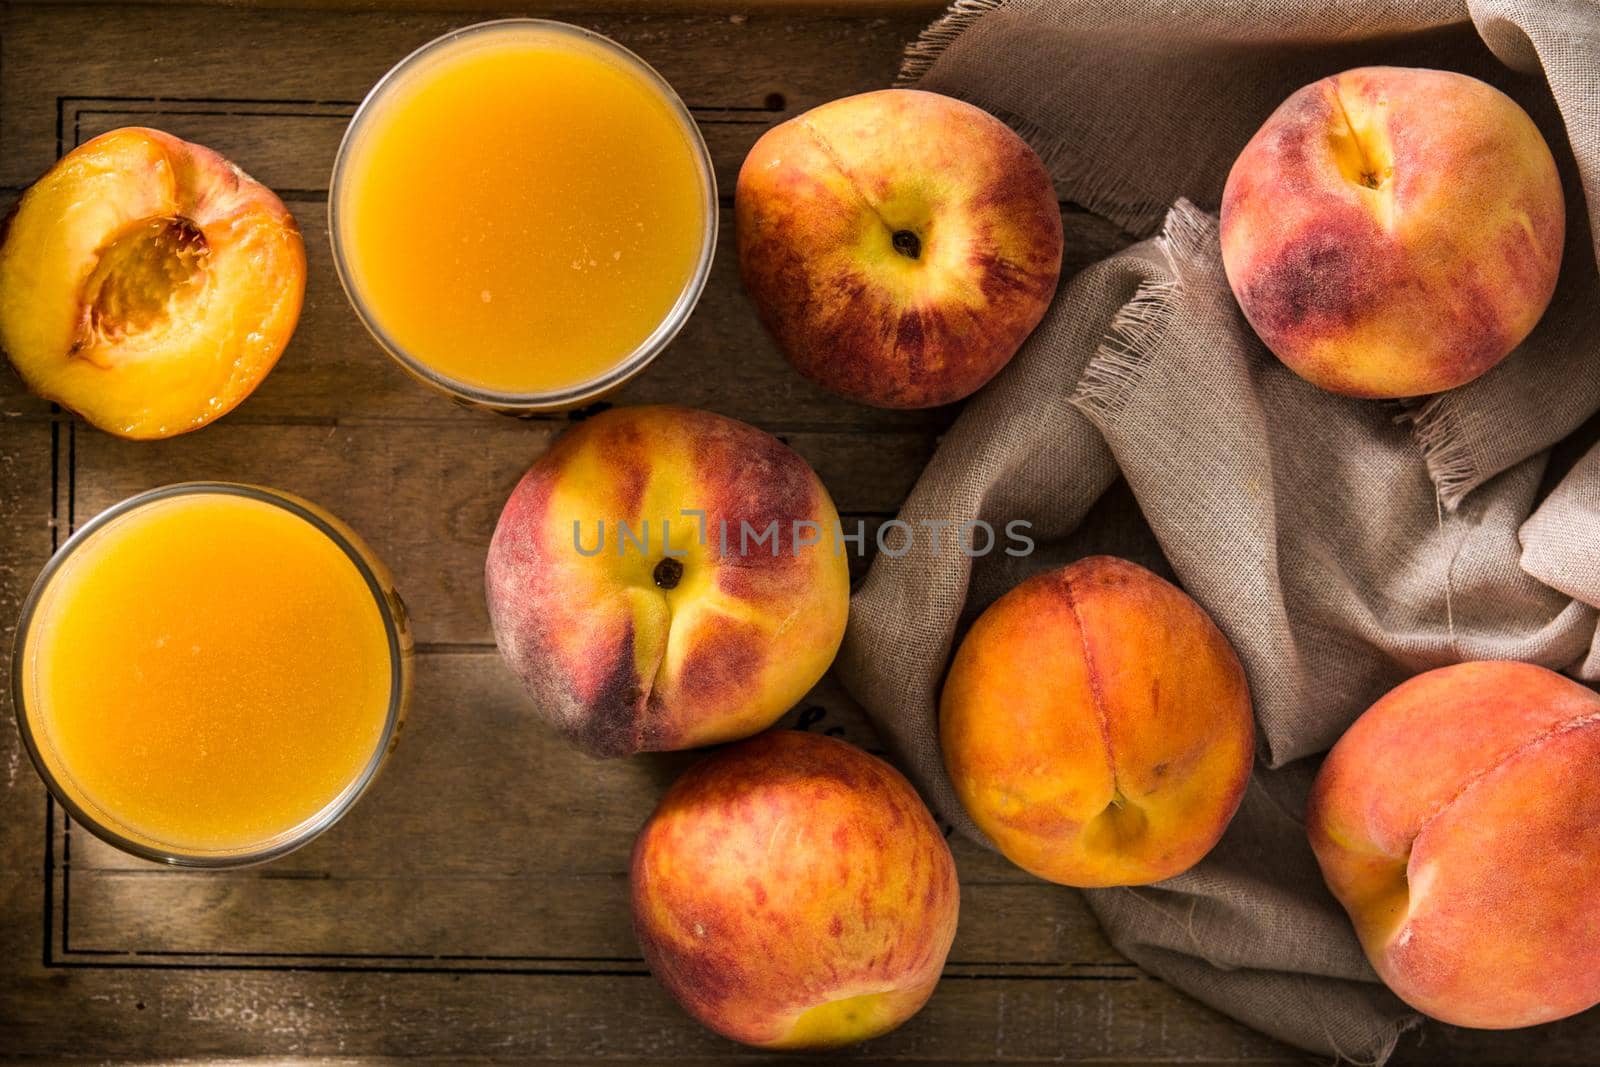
1458,822
900,245
148,284
1393,232
792,891
665,578
1097,726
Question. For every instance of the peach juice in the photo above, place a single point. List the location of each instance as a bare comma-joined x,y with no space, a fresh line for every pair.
523,213
210,674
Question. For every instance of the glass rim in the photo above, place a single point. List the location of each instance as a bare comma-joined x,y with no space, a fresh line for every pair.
647,350
311,827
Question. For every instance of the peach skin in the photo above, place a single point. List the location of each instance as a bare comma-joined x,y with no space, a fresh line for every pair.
664,578
148,284
1393,232
792,891
1097,726
1458,822
899,245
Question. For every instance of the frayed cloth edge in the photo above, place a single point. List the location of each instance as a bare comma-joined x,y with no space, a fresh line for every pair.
1446,450
941,33
1136,332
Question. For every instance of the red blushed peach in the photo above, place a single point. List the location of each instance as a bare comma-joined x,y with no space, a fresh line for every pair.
900,245
1393,232
792,891
1458,822
665,578
1097,726
148,284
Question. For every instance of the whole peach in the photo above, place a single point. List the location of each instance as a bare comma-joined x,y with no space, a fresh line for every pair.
1393,232
900,245
792,891
664,578
1097,726
1458,822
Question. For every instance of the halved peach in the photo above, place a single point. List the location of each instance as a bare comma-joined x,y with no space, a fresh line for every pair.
148,284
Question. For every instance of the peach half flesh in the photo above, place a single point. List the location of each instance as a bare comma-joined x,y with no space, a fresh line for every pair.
148,284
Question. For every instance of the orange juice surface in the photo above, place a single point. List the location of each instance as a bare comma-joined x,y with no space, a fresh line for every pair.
519,209
206,672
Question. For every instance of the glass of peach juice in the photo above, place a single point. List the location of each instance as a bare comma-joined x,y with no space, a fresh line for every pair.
523,214
210,674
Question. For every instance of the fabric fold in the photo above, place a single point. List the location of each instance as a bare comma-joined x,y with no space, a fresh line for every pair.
1342,545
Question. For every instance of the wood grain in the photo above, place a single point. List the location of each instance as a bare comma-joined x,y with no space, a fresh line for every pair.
925,9
473,906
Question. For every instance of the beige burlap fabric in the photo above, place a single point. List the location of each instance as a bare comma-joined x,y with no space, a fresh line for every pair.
1342,545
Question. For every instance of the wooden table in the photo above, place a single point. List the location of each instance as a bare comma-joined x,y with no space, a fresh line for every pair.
474,904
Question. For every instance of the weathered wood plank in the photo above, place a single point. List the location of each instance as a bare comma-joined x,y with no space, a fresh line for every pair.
590,1018
246,55
28,528
17,404
924,8
426,496
403,919
742,73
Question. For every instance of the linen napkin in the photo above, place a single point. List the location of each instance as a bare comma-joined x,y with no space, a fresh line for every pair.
1342,545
